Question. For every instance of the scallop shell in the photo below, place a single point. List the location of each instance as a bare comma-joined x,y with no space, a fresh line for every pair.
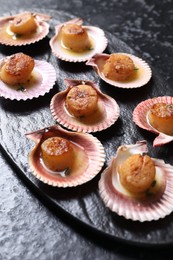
143,76
96,34
107,114
89,158
42,80
7,37
140,118
114,197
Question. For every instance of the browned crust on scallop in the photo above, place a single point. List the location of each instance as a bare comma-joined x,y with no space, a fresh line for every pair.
16,68
137,173
81,100
118,67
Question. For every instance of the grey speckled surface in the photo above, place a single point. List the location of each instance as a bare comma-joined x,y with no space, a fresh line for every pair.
28,229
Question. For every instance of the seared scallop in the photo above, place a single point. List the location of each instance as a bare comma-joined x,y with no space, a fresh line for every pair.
57,153
160,117
74,42
24,28
24,23
156,115
81,100
137,187
16,69
75,37
22,77
122,70
65,159
119,67
82,107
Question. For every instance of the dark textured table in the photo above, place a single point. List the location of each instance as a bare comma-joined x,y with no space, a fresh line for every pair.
29,228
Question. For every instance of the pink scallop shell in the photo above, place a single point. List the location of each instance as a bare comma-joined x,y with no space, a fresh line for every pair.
44,79
133,209
87,169
96,34
9,38
140,118
108,105
99,60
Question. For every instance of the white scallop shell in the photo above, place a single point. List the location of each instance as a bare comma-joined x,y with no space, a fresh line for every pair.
96,34
86,169
141,119
108,110
43,78
118,201
7,37
144,71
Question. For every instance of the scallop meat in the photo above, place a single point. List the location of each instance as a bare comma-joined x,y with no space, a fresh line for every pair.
23,28
152,204
41,80
79,43
82,162
141,119
104,66
105,114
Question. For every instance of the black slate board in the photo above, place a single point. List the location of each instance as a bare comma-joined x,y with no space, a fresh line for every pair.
83,203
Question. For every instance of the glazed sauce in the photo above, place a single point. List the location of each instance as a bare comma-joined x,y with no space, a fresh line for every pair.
69,52
9,34
80,164
96,117
32,82
134,77
153,192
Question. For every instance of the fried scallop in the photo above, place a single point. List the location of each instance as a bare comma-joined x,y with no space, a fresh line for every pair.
137,186
81,100
24,23
156,115
137,173
118,67
16,69
161,117
63,158
82,107
122,70
23,28
57,153
75,42
75,37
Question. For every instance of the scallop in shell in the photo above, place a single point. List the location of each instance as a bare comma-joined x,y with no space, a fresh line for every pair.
97,38
140,117
88,160
140,78
106,114
42,79
152,206
8,37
